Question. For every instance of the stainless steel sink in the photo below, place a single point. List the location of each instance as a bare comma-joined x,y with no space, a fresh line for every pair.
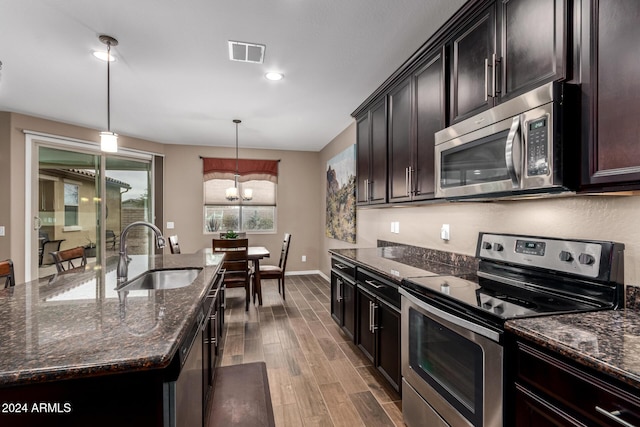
162,279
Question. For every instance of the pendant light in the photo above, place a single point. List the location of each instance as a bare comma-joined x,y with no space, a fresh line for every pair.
232,193
108,139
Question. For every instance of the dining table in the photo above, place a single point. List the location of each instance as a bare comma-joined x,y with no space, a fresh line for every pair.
254,254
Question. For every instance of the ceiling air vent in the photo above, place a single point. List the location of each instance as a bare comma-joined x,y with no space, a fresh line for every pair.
246,52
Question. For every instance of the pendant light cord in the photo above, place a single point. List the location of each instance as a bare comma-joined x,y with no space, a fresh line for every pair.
108,87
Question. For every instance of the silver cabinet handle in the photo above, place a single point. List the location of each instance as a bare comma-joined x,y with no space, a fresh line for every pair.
340,266
370,316
374,307
366,190
509,154
372,283
339,284
411,189
406,181
613,415
486,79
493,77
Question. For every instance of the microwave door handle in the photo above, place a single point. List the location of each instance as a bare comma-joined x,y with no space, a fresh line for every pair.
509,153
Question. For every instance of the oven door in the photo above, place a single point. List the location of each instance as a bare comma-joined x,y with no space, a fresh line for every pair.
452,364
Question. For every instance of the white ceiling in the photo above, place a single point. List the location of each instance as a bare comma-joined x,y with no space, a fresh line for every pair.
173,82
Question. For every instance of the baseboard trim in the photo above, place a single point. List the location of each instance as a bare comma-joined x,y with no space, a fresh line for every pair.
300,273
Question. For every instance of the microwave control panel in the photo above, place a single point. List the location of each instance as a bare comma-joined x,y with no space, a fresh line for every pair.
538,146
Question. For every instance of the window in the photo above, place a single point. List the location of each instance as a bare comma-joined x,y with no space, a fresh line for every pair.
71,198
257,214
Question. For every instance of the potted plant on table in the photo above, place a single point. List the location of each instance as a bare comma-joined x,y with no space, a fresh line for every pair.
231,235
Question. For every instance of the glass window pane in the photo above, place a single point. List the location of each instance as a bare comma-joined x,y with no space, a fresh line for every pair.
258,218
71,194
221,218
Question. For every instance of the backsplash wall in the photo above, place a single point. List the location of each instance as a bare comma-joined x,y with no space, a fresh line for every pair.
613,218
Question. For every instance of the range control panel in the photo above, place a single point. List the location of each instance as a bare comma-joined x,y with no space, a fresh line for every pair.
578,257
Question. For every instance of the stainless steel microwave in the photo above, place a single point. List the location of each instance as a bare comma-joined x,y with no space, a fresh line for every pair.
527,145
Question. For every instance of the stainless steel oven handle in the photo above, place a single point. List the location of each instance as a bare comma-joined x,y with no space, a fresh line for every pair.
509,155
481,330
613,415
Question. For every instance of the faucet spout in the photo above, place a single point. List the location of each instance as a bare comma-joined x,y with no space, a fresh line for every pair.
122,271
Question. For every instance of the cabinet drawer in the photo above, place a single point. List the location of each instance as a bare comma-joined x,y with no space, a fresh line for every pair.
382,288
589,398
346,269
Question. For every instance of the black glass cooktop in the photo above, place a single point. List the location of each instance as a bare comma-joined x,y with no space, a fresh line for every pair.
494,298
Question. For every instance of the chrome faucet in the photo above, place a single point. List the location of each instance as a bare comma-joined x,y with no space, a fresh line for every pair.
122,261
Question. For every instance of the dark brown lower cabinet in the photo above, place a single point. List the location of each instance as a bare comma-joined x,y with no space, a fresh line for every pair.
378,333
343,306
551,390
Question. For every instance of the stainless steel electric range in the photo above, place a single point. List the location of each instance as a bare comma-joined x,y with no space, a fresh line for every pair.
452,326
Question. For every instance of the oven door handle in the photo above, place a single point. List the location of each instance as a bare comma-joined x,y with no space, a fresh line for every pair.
511,153
478,329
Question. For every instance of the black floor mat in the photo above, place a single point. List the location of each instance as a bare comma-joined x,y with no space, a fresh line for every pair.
241,397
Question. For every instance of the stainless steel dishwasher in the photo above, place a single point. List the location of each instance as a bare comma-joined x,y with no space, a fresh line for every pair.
183,397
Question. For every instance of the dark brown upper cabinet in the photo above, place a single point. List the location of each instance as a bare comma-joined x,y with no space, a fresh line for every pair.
400,142
429,116
473,69
610,88
371,155
534,40
416,112
505,50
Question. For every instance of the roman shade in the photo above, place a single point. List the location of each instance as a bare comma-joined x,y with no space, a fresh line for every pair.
248,169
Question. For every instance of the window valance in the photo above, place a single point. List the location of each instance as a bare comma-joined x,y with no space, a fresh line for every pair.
248,169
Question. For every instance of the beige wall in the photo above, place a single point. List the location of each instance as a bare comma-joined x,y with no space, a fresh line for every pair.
298,209
5,188
586,217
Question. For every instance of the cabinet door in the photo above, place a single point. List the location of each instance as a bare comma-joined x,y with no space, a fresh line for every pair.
349,308
611,82
430,114
363,158
387,324
365,338
534,35
400,142
378,173
337,299
472,53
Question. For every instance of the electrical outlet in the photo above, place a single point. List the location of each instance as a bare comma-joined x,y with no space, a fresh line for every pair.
444,232
304,258
1,230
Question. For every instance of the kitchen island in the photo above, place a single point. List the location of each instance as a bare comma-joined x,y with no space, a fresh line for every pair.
71,353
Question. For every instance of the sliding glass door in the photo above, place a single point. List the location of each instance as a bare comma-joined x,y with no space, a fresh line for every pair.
78,189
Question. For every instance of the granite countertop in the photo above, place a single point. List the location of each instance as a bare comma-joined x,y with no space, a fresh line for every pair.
72,325
398,262
608,341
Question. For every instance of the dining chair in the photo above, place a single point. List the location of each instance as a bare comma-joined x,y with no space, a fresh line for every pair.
235,264
68,256
174,246
46,247
276,271
6,270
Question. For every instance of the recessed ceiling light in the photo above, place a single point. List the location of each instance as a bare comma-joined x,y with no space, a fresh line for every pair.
274,76
101,55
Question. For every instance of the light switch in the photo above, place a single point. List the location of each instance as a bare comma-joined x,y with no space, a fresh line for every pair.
170,225
1,230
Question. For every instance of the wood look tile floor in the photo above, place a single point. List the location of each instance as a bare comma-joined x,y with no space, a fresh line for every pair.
317,376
